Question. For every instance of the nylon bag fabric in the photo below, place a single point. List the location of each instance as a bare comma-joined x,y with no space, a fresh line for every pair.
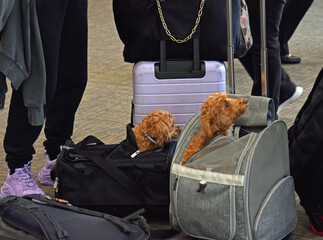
306,148
140,29
132,181
38,217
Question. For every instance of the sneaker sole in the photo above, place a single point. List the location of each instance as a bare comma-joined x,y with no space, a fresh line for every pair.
313,228
297,94
6,191
45,183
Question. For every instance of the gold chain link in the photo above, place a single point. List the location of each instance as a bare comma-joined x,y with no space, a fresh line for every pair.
199,14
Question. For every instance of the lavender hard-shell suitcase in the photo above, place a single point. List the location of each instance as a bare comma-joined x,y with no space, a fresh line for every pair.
178,86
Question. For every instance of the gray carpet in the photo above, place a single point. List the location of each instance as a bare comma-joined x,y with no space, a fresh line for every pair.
105,108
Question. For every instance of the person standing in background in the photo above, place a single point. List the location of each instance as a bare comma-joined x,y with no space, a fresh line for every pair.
64,31
280,88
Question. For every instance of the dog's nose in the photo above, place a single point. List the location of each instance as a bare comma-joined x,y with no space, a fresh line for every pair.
243,101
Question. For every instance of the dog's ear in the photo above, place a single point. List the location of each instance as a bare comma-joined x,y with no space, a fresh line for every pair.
208,128
156,127
162,133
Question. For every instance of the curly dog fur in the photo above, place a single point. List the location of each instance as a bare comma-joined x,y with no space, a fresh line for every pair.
218,113
159,126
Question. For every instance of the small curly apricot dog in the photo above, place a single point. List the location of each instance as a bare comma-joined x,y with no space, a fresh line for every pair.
218,113
155,130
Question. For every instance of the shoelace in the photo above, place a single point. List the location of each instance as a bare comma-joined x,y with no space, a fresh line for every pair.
26,176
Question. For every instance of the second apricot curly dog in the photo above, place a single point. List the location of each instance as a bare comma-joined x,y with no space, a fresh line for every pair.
155,130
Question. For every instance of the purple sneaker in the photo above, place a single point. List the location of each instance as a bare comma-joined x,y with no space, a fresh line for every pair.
20,183
44,174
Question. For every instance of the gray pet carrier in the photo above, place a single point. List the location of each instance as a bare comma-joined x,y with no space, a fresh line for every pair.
234,188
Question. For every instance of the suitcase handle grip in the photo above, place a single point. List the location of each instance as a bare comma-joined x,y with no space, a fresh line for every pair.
180,69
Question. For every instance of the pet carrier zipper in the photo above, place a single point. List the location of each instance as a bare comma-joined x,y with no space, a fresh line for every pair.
135,153
175,183
63,147
56,187
201,187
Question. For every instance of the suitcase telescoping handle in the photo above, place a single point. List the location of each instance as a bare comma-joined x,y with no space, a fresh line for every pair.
263,50
189,68
196,55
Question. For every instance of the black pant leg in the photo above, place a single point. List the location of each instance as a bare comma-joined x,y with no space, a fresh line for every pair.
20,134
274,10
293,13
71,77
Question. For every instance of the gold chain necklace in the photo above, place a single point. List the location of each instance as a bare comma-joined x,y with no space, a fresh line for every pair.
197,21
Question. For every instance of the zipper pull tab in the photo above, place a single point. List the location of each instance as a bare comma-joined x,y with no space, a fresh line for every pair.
175,183
202,185
135,154
63,147
56,187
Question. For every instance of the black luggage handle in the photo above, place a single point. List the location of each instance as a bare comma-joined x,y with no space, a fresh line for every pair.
180,69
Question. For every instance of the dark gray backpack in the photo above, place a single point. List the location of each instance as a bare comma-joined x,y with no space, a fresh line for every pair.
39,217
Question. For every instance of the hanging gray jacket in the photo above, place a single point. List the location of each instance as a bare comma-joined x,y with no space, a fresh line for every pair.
21,56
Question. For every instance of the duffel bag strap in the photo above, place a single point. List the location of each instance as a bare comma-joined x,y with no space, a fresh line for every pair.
114,172
89,140
47,199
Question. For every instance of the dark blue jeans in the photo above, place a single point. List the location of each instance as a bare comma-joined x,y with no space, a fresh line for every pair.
251,61
293,13
64,31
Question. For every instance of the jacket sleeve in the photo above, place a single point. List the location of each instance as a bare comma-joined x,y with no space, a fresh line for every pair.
21,57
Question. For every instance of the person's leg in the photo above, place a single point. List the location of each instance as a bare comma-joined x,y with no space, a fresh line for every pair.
18,144
293,13
273,14
20,134
51,18
71,78
246,61
289,92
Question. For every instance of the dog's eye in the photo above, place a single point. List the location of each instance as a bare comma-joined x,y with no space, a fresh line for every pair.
226,105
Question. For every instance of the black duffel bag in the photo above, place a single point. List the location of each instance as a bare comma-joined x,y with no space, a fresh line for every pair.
114,178
139,26
38,217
